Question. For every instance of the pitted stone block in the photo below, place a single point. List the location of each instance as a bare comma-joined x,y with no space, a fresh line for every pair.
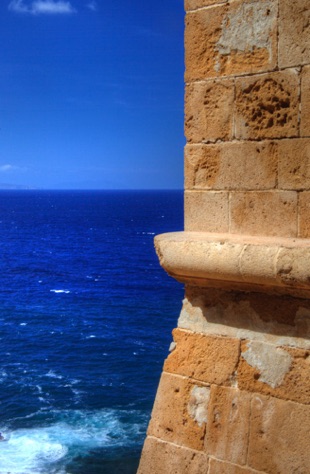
267,105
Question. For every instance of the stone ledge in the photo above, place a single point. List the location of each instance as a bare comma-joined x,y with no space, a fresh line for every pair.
232,261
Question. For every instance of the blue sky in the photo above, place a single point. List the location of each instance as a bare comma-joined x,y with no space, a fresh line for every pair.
91,94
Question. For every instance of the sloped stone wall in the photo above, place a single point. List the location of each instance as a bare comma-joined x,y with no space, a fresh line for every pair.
234,396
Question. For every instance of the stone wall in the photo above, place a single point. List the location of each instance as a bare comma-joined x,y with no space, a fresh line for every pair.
234,396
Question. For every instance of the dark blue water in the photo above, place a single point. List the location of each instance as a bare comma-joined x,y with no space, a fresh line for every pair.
85,320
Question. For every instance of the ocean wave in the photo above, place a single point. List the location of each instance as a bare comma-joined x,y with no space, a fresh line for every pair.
30,452
49,449
52,375
60,291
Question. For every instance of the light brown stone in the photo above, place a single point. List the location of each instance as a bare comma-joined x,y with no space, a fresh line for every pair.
159,457
304,215
239,166
202,32
267,105
206,211
253,213
228,424
209,111
236,261
194,4
294,33
179,413
279,371
205,358
294,164
305,102
236,39
279,320
279,436
293,266
220,467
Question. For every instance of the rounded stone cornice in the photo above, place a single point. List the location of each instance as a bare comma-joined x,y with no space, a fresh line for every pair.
250,263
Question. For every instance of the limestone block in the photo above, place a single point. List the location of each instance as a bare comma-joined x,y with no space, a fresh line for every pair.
294,163
304,215
206,358
267,105
294,33
236,261
228,424
257,264
279,436
278,320
239,38
202,32
180,412
239,166
252,213
293,266
220,467
209,111
194,4
159,457
305,102
279,371
206,211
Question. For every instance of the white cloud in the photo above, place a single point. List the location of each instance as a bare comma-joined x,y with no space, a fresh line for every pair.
4,168
38,7
93,6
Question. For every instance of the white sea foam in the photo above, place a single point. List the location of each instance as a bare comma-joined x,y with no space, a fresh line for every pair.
60,291
30,452
3,375
52,375
48,449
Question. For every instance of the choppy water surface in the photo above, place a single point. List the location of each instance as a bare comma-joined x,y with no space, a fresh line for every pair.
85,322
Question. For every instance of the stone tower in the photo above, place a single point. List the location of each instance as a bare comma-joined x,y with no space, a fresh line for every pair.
235,390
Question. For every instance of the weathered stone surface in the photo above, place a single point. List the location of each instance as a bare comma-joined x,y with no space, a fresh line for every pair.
251,213
294,163
294,33
267,105
159,457
279,436
240,166
305,102
206,358
174,417
271,362
235,39
278,320
304,215
220,467
279,371
257,264
209,111
293,266
194,4
202,32
228,424
234,261
206,211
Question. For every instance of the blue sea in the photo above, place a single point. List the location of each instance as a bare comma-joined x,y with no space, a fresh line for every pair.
86,314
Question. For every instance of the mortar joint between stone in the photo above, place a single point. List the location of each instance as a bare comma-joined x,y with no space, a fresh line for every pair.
174,444
185,377
207,7
244,75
